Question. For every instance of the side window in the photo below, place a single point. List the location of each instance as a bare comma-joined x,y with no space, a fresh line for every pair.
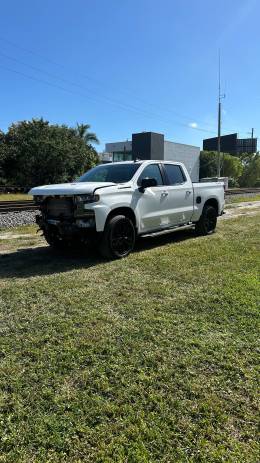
151,171
174,174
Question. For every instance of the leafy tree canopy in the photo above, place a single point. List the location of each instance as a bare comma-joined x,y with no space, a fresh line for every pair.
231,166
251,172
37,152
83,132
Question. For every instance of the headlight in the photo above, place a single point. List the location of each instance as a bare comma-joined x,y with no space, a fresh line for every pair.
87,198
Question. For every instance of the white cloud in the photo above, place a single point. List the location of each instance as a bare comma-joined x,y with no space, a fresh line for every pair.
193,125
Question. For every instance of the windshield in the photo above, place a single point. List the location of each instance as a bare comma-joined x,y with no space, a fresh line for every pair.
115,173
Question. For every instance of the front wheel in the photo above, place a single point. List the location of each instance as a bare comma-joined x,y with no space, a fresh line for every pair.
56,242
207,222
118,238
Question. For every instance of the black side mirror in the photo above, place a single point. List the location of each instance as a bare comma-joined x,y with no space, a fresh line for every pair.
147,182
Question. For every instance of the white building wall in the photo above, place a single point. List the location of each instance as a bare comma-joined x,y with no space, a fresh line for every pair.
189,155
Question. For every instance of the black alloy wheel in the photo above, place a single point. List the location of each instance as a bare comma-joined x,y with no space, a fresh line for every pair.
118,238
207,222
210,219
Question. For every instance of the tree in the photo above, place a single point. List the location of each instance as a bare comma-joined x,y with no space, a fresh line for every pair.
3,154
251,172
40,153
231,166
208,164
83,132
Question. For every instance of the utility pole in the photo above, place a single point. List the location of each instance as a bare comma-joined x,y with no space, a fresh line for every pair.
220,96
252,137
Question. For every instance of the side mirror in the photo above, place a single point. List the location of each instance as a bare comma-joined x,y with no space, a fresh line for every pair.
147,182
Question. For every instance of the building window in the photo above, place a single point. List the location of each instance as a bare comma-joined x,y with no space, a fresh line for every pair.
122,156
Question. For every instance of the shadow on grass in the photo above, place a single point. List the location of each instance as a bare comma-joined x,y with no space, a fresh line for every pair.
39,261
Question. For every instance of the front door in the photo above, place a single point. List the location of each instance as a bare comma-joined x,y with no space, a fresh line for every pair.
153,203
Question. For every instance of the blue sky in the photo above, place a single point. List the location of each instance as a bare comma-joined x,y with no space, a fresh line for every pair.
128,66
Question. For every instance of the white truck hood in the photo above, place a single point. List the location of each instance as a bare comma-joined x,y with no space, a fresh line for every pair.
70,189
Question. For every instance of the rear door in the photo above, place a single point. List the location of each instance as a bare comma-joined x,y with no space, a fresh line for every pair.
152,205
180,194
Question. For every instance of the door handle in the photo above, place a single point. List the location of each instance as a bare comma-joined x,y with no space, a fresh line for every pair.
188,193
164,193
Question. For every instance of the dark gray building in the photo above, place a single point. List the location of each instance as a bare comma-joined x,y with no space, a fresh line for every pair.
231,144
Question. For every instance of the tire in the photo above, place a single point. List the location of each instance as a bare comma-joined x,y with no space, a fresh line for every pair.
56,242
118,238
207,222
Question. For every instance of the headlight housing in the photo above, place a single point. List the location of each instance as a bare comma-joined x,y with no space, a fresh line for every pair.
88,198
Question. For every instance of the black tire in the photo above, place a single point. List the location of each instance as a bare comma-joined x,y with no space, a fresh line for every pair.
118,238
207,222
56,242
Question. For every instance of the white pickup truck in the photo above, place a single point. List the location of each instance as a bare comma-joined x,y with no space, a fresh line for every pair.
114,203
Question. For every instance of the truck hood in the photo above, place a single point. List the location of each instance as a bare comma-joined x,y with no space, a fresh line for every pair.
69,189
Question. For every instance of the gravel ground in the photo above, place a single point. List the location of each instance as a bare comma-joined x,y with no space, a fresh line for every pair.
14,219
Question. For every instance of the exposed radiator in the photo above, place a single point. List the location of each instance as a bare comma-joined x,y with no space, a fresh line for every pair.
60,208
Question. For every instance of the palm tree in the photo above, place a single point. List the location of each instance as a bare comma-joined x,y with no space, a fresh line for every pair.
83,132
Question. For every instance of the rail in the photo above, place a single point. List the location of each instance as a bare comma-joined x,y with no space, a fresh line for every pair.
17,206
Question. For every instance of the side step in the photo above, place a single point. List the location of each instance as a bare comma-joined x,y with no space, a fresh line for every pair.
168,230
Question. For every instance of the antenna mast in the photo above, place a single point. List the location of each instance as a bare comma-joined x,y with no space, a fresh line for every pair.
220,96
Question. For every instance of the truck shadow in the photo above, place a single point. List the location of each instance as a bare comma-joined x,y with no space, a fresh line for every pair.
42,260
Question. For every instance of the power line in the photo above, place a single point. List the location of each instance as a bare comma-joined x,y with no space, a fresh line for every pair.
117,104
96,82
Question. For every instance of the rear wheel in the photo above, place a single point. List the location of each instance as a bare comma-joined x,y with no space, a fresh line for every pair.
118,238
207,222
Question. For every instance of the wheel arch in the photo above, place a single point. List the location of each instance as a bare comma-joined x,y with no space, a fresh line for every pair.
212,202
123,210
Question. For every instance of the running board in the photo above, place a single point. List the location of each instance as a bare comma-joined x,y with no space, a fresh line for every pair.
167,231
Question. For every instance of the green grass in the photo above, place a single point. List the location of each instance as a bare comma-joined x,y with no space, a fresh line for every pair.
149,359
14,197
241,199
22,229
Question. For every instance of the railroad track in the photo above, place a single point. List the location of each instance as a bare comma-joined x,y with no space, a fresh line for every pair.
17,206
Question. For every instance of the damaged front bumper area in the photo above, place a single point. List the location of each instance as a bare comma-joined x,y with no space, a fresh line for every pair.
64,219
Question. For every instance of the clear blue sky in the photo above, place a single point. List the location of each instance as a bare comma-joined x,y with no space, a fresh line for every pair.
127,66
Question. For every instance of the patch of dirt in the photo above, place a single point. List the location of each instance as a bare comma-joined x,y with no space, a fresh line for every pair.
239,209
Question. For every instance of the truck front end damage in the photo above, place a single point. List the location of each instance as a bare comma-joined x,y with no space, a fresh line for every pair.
66,219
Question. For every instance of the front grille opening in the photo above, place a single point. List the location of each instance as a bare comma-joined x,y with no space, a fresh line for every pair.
60,208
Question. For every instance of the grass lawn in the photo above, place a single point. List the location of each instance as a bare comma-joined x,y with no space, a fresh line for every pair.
149,359
14,197
240,199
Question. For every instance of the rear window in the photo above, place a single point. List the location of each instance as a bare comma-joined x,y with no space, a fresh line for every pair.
175,174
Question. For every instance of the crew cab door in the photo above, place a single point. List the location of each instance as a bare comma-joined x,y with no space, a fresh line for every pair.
151,205
180,194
